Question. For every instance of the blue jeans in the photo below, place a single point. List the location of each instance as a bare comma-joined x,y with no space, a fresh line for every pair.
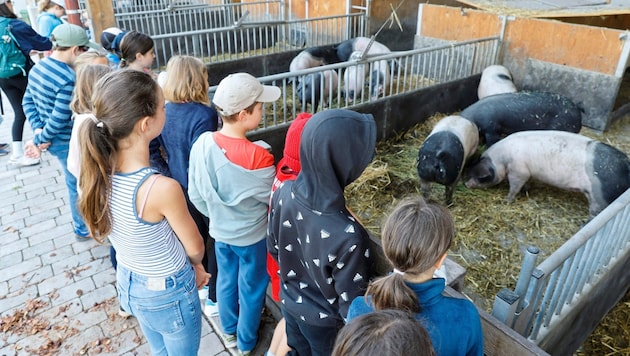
171,318
241,284
60,150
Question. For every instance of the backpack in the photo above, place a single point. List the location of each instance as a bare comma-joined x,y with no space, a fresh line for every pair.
12,60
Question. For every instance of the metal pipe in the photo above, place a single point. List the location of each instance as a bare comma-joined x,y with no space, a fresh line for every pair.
527,267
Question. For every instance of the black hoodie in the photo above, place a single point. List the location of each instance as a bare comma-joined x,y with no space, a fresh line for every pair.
321,249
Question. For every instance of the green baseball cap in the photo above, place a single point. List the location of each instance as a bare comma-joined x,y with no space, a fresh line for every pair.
68,35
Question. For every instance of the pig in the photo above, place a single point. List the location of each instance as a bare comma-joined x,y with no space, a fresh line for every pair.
314,57
444,153
354,79
561,159
379,78
499,115
344,49
495,79
318,86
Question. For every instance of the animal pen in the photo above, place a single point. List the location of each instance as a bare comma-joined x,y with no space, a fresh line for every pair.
219,30
453,45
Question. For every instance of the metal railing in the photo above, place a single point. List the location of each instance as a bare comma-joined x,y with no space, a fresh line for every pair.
408,71
250,39
557,284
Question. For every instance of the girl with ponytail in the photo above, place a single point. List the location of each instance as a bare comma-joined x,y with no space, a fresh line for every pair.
416,237
142,213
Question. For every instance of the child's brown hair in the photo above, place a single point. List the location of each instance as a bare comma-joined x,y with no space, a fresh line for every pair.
415,236
87,76
186,80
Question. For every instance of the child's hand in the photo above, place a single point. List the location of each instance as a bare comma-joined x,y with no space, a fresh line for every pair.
31,151
202,277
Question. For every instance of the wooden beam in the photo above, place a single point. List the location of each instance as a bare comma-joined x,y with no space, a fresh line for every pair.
102,15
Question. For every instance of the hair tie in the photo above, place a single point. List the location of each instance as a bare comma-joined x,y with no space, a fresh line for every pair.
98,123
397,271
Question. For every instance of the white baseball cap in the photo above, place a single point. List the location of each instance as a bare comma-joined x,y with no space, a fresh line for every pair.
238,91
59,2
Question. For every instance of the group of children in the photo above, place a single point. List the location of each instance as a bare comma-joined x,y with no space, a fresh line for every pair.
177,188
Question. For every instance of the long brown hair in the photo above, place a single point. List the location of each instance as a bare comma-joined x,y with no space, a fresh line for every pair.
120,99
416,234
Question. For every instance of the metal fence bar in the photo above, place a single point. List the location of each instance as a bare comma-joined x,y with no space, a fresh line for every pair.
572,269
417,69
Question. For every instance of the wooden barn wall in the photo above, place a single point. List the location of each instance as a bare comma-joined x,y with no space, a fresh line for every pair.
580,62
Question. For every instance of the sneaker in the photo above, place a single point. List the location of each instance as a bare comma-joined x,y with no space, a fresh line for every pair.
122,313
4,151
229,340
23,161
211,308
82,238
4,146
244,353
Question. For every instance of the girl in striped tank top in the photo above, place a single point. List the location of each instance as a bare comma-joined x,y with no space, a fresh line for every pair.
143,214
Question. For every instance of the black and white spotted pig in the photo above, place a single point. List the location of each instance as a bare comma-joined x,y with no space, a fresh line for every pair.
495,79
444,153
316,87
561,159
499,115
345,48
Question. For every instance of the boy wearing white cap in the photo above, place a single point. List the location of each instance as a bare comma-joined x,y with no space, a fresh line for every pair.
46,106
230,181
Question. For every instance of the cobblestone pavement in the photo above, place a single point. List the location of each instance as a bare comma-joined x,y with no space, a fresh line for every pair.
57,295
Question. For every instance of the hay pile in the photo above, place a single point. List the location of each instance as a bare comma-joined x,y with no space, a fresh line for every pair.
491,234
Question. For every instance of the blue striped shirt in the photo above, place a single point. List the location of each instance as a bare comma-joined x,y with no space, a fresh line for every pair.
47,101
148,249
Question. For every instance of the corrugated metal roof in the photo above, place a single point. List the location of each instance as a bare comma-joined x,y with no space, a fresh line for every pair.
552,8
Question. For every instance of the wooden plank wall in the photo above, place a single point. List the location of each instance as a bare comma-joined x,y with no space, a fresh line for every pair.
583,63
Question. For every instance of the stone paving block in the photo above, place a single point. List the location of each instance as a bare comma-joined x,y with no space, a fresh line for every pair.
121,344
104,277
21,268
56,233
16,225
74,344
73,291
82,246
13,216
53,283
96,265
17,299
208,343
62,314
8,261
37,184
13,246
32,278
40,214
64,218
100,250
70,262
33,230
25,173
47,200
97,296
41,249
10,187
35,193
57,254
8,234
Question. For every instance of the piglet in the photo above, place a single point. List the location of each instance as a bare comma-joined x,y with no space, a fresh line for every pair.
499,115
444,153
562,159
495,79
